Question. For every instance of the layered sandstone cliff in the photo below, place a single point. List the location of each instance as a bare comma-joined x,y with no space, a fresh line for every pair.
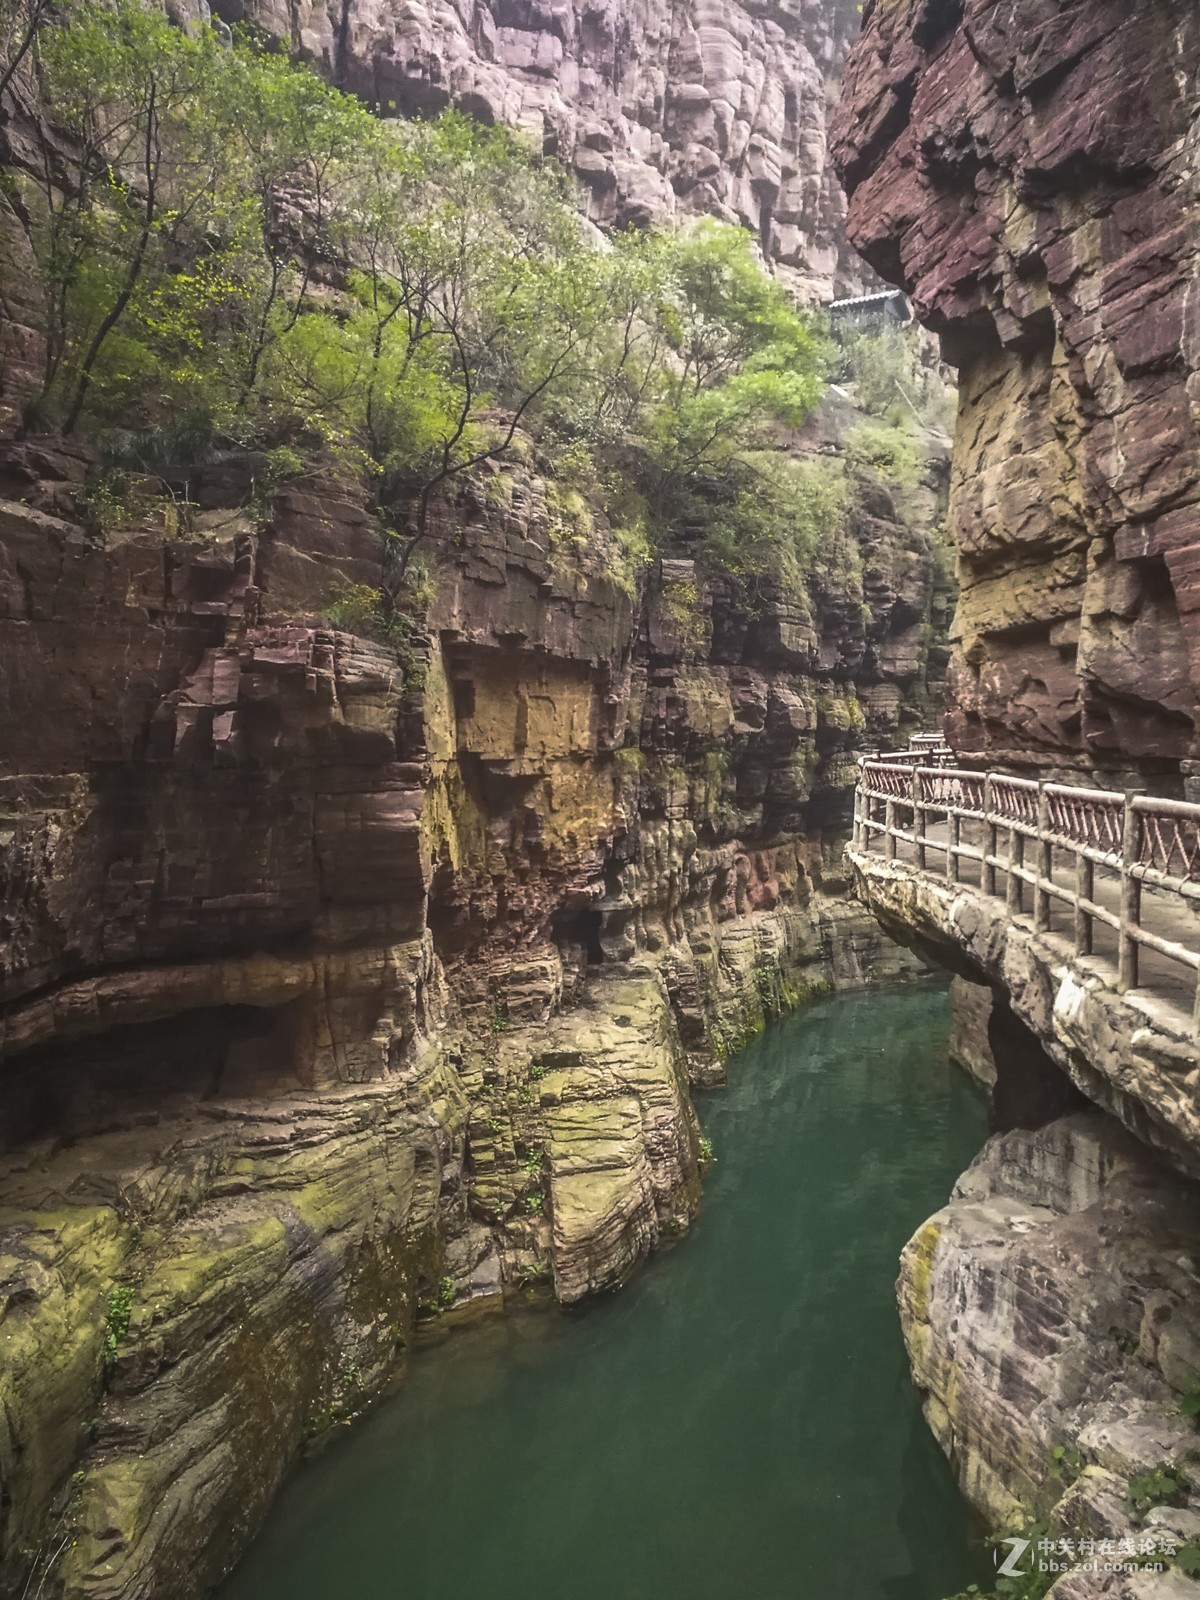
352,979
1028,172
700,107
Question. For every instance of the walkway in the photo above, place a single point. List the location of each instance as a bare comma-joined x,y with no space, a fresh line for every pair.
1115,877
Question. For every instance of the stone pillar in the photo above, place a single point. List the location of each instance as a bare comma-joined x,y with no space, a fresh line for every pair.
970,1011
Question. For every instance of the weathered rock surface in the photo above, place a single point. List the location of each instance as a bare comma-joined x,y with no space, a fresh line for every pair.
970,1012
1028,171
719,109
347,984
1051,1316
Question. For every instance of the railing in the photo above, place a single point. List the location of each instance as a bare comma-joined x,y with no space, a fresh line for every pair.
1130,859
928,748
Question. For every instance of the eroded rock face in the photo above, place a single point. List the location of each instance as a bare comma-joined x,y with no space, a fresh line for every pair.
1051,1307
1028,171
709,108
347,984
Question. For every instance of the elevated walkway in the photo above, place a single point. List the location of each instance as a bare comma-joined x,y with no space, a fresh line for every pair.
1082,905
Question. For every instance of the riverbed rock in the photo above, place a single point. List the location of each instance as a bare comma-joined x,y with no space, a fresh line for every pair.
1052,1322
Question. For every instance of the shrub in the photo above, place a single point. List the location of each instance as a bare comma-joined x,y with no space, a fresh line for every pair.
887,450
120,1309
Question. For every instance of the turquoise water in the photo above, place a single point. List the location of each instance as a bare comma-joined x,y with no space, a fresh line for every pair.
737,1424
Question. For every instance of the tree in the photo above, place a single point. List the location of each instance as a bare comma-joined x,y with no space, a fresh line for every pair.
140,240
472,294
238,248
20,21
302,146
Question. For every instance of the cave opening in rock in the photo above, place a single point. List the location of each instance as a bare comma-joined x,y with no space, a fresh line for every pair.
133,1075
583,928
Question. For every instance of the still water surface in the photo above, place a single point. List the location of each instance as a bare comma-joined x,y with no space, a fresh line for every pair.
737,1424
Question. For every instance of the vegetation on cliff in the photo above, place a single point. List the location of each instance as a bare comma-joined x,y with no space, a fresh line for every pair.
237,253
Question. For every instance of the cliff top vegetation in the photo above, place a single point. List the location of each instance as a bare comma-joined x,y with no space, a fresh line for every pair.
235,253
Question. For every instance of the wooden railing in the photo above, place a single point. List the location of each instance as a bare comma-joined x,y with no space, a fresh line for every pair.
1129,859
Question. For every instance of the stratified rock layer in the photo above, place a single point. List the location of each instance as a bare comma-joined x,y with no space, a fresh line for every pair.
701,107
1051,1318
348,983
1028,171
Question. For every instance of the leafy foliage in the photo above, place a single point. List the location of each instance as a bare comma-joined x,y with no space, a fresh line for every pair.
1066,1464
1189,1404
1030,1585
241,252
1163,1485
120,1310
885,449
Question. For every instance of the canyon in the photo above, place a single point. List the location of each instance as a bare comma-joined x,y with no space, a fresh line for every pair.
357,982
351,984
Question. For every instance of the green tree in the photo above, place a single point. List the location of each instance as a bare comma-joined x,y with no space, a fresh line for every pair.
303,147
140,242
472,294
239,249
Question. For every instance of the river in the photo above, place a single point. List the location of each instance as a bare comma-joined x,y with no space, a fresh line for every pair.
736,1424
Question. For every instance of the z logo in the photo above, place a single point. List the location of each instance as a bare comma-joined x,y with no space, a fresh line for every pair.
1008,1568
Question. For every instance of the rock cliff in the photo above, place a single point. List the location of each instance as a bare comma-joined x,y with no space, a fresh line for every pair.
1028,172
354,976
349,980
698,107
1050,1316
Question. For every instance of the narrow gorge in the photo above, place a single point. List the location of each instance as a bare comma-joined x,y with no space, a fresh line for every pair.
470,493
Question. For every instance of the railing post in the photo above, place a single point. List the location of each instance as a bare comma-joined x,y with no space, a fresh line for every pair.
953,840
1085,889
1045,863
856,830
889,829
1131,901
990,839
1016,858
918,818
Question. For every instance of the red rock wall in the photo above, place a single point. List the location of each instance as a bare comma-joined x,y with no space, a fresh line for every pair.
700,107
394,960
1028,171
